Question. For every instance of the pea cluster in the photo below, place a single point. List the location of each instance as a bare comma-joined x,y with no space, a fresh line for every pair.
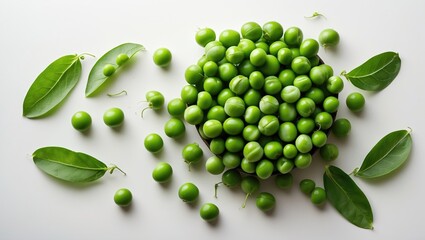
262,99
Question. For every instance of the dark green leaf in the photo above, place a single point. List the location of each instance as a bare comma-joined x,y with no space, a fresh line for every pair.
52,86
376,73
68,165
347,198
96,76
387,155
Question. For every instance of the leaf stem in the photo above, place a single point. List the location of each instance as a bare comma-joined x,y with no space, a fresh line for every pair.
113,167
315,15
81,56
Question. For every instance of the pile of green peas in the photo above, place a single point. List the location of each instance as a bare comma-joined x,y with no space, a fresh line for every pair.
261,98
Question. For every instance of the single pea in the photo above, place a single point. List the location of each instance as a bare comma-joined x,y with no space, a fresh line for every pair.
316,94
153,143
162,172
273,150
300,65
188,192
251,133
290,151
307,186
176,107
214,165
272,31
231,178
271,67
209,212
287,112
276,46
284,56
252,97
234,107
202,60
81,121
249,185
305,107
123,197
247,46
314,61
328,70
174,127
108,70
269,104
192,153
204,36
231,160
329,38
113,117
204,100
217,146
194,74
265,201
210,69
284,181
252,115
341,127
251,31
258,57
227,71
303,143
201,132
355,101
293,36
234,55
189,94
213,85
331,104
239,84
193,115
246,68
233,126
212,128
318,196
268,125
305,125
334,84
262,45
324,120
211,45
329,152
253,151
303,160
216,53
217,113
309,48
272,85
121,59
319,138
162,57
287,77
247,166
288,132
234,144
295,52
229,38
318,75
223,95
290,94
303,83
155,99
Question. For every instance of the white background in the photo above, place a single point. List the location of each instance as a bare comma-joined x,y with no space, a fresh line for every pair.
35,206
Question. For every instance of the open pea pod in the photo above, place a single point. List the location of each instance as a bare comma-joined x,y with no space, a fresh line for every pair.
70,166
97,77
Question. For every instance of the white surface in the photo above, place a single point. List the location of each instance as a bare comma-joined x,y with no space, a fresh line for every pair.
35,206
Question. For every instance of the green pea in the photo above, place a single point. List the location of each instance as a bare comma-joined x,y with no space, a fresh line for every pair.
121,59
334,84
212,128
229,38
303,160
324,120
355,101
174,128
276,46
251,31
231,178
284,165
295,53
210,69
318,196
331,104
265,201
216,53
231,160
264,169
224,95
247,166
204,36
252,115
290,94
234,107
287,112
217,113
341,127
192,153
269,104
268,125
234,144
293,36
204,100
201,61
262,45
307,186
239,84
162,172
258,57
303,143
272,31
213,85
251,133
162,57
305,107
209,212
193,115
247,46
249,185
246,68
123,197
176,107
189,94
318,75
329,152
314,61
272,85
211,44
227,71
235,55
300,65
155,99
287,77
315,94
214,165
303,83
108,70
287,132
271,66
309,48
253,151
329,38
113,117
273,150
217,146
153,143
233,126
290,151
81,121
284,56
284,181
305,125
319,138
252,97
188,192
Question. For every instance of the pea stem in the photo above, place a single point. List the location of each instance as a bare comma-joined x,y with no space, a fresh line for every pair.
315,15
113,167
123,92
144,110
81,56
246,198
216,188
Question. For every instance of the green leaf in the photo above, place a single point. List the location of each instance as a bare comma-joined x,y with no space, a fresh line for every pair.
347,198
376,73
52,86
387,155
96,76
68,165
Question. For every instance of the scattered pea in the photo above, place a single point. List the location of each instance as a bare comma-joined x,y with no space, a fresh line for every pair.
153,142
162,57
113,117
81,121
